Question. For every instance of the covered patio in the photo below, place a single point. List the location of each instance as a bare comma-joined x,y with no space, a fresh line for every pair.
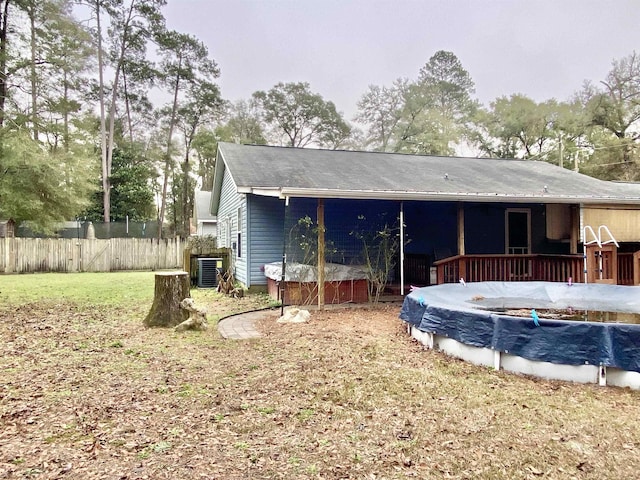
469,219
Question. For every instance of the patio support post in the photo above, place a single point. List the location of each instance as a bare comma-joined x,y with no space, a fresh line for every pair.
283,277
460,228
321,250
402,248
462,268
575,229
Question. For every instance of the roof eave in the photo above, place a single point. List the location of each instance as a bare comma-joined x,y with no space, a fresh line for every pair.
262,191
218,176
443,197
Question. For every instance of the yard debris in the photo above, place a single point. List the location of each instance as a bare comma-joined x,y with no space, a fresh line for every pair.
295,315
226,285
197,316
347,395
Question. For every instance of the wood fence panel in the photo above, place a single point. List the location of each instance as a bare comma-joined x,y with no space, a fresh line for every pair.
30,255
95,255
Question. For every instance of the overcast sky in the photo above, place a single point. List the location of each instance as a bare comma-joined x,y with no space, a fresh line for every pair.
544,49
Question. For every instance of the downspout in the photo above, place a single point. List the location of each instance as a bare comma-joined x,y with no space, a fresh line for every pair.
247,257
284,256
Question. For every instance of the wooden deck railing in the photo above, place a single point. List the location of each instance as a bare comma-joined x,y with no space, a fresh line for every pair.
629,268
514,268
510,268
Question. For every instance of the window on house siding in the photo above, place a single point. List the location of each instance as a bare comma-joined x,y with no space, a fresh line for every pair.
239,240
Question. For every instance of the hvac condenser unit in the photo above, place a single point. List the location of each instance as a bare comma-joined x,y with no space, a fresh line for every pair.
208,269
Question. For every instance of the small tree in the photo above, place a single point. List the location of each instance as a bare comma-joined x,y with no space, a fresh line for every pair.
202,244
303,242
380,245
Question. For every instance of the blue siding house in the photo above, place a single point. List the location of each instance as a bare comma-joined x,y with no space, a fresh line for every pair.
449,206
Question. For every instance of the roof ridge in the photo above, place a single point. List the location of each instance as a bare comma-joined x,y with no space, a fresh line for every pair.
372,152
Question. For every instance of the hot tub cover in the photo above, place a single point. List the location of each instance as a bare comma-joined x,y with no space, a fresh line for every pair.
464,312
300,272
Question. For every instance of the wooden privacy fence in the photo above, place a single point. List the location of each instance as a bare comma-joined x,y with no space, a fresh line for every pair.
30,255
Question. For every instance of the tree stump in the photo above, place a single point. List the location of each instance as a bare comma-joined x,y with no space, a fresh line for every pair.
170,289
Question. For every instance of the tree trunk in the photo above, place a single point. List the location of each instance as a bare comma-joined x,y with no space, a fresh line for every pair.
185,229
170,289
106,181
167,163
127,105
31,12
112,116
65,118
3,57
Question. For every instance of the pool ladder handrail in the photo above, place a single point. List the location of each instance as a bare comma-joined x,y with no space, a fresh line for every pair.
596,239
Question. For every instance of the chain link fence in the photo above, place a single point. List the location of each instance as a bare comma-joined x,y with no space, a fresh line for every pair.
99,230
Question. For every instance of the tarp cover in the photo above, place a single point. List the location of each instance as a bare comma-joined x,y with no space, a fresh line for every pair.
464,312
299,272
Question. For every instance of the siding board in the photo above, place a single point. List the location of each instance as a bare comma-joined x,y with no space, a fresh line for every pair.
230,201
266,216
623,223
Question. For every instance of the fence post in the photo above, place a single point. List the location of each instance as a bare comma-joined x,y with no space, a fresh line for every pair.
462,268
6,255
78,263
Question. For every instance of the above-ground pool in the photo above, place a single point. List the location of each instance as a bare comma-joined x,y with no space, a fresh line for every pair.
472,321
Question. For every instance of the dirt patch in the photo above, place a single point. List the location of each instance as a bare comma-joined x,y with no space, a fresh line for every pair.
219,305
363,321
88,393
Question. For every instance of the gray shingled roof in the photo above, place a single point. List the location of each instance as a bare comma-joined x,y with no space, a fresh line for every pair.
202,202
296,172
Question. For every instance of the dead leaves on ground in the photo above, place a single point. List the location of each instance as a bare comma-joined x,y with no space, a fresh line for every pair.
88,393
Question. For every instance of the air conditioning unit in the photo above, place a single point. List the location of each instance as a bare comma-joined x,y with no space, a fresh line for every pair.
208,269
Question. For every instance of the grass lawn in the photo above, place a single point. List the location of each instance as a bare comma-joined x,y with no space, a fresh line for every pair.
87,393
91,288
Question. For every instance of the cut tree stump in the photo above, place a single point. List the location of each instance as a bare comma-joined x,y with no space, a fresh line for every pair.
170,289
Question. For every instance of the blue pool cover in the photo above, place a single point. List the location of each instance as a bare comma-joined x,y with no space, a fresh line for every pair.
469,313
